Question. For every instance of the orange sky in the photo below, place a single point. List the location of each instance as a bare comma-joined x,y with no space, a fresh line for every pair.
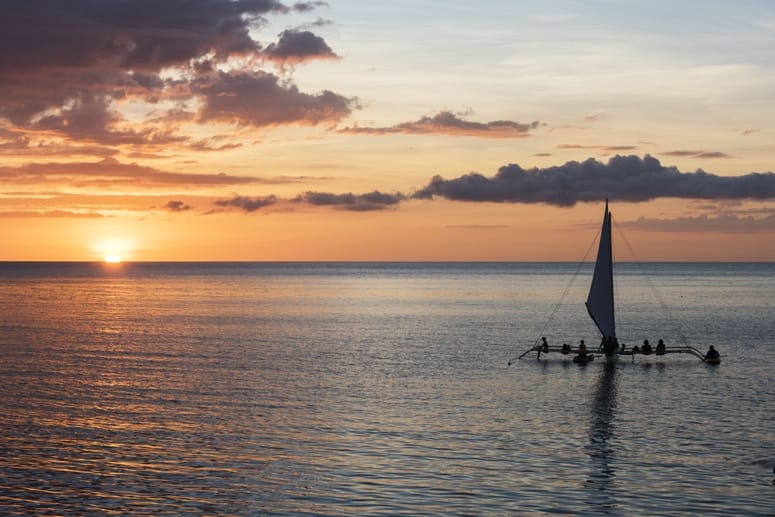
355,131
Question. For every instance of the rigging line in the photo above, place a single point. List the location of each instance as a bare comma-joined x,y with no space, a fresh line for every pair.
656,294
567,288
562,299
615,275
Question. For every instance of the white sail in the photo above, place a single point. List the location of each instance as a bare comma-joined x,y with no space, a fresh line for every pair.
600,302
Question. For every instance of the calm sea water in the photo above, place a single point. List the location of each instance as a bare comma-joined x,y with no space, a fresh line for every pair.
361,389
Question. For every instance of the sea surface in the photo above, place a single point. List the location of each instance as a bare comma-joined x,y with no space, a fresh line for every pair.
368,389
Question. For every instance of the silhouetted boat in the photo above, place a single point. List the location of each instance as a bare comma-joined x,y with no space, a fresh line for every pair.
600,305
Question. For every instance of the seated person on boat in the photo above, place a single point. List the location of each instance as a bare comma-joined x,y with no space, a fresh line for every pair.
565,349
712,354
582,349
661,347
646,347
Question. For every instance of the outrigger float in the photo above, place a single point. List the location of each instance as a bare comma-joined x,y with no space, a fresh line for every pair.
600,305
540,349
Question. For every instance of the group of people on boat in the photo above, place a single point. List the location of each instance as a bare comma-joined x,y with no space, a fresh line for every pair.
646,349
610,346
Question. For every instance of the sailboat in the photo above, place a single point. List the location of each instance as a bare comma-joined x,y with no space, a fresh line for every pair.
600,306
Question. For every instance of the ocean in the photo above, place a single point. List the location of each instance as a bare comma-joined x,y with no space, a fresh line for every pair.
380,389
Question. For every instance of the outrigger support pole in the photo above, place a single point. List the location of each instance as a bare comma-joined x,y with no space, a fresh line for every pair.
534,349
669,350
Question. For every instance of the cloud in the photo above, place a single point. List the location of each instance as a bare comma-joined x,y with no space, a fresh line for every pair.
606,148
368,202
54,214
69,68
177,206
260,100
448,123
297,46
248,204
697,154
723,223
111,172
308,6
88,117
623,178
477,226
22,145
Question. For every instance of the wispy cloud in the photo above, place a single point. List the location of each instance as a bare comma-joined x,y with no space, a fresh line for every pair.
605,148
448,123
54,214
722,223
477,226
110,172
697,154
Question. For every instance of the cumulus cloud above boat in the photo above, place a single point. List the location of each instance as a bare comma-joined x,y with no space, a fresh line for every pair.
623,178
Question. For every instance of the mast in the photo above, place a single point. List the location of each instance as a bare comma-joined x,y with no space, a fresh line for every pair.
600,302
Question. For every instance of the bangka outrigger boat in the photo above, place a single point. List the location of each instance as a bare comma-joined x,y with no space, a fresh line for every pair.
600,305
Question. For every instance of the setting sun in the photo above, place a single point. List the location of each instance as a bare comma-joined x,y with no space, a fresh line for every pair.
114,249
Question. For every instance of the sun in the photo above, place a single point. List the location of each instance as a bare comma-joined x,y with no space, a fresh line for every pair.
114,250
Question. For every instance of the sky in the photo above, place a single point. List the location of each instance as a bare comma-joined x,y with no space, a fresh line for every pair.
415,130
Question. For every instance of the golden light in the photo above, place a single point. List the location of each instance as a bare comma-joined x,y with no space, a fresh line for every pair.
114,249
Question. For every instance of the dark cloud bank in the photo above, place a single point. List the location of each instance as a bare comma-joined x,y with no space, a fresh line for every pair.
64,65
623,178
